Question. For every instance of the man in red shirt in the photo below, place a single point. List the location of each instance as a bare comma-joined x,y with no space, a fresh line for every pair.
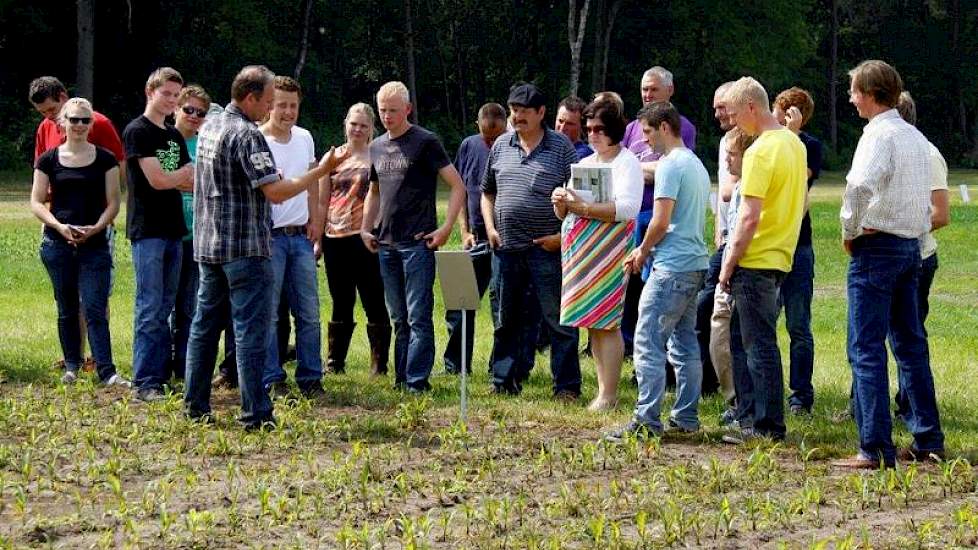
47,94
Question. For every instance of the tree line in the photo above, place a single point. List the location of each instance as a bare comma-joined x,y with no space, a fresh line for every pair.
457,54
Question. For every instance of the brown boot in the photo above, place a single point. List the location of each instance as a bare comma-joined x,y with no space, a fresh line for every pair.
338,336
380,343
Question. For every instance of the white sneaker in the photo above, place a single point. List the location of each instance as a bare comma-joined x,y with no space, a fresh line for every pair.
69,377
116,380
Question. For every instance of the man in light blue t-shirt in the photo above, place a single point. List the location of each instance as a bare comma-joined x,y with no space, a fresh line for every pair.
667,308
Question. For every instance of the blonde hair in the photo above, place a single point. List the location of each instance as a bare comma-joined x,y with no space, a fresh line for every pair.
747,90
79,102
161,76
394,89
362,109
738,140
907,108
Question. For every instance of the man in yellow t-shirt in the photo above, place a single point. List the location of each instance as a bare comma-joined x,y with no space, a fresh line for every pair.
773,195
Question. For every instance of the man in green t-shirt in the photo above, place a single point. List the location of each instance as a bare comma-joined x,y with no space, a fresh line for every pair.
759,255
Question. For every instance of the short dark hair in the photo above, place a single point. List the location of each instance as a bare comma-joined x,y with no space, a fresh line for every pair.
44,88
251,80
492,111
573,104
658,112
288,84
608,112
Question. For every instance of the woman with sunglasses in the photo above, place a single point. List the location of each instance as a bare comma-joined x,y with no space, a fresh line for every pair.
595,238
83,181
350,267
192,106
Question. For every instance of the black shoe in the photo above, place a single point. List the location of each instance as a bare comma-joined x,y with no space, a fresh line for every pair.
419,388
800,410
511,388
567,396
277,389
265,425
150,395
635,427
312,390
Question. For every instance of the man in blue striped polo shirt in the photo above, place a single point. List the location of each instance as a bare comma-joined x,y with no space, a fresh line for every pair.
523,168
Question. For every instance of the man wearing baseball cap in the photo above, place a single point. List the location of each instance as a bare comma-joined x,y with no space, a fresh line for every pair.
523,168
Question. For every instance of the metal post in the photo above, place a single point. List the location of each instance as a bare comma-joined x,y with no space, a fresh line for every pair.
464,366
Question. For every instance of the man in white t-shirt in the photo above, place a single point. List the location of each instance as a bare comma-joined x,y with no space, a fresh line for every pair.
296,226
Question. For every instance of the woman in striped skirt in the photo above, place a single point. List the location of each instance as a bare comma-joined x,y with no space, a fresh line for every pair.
595,237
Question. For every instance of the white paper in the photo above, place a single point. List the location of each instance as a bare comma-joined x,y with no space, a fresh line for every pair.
965,198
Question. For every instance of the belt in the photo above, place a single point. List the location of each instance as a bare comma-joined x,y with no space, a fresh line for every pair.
290,230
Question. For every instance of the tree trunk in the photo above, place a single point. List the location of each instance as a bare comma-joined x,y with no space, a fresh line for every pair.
599,25
85,62
304,44
409,31
575,38
460,75
615,8
834,75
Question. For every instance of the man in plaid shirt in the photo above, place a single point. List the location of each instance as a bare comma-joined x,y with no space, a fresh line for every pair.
235,179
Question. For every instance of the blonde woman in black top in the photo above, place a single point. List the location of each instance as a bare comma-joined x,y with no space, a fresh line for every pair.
83,181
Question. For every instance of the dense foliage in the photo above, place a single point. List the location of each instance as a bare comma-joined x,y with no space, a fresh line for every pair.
467,52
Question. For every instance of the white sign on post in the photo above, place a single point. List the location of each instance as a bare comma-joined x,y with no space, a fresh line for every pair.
964,194
459,292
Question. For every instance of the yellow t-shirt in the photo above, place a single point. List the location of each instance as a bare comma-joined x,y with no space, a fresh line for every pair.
775,169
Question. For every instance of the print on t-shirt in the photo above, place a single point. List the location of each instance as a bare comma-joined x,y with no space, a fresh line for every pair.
169,158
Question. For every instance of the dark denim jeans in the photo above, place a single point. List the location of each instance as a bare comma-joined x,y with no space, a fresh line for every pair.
882,289
157,266
294,276
183,310
246,284
540,271
796,297
704,312
482,263
83,272
754,345
408,271
928,268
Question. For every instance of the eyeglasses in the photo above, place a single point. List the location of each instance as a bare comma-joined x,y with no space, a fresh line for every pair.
80,120
595,129
188,110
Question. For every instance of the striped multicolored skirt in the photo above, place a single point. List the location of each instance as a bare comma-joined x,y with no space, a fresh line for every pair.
593,290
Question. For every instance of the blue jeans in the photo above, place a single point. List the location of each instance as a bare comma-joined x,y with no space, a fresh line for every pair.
157,266
928,268
540,271
796,297
667,317
245,283
183,310
882,291
408,272
482,263
83,272
758,379
294,267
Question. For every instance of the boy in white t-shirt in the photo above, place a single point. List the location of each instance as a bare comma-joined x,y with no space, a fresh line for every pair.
296,227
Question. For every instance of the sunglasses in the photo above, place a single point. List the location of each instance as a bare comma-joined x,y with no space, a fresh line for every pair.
188,110
595,129
80,120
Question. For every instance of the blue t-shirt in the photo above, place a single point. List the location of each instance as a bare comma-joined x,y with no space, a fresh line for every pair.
583,150
470,161
814,149
682,177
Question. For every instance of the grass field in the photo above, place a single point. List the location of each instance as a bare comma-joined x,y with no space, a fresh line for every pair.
368,467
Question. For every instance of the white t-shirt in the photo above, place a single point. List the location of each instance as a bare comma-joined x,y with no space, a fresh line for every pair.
938,181
293,159
627,183
723,176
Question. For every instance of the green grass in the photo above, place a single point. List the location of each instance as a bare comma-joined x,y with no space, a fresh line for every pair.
370,468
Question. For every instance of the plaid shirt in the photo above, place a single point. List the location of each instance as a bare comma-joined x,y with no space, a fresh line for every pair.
232,218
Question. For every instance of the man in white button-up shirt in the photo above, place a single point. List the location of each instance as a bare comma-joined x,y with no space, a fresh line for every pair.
885,210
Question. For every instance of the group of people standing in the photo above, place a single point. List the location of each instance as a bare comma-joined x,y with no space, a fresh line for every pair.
229,210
